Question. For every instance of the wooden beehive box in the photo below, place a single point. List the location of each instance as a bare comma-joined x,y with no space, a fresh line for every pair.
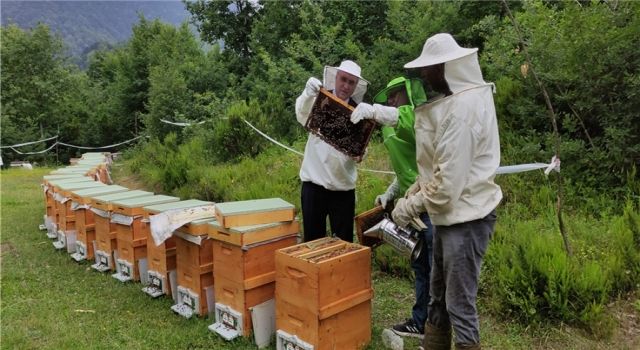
194,265
330,120
245,266
323,293
254,212
85,221
162,258
63,189
132,239
48,182
367,220
105,230
248,235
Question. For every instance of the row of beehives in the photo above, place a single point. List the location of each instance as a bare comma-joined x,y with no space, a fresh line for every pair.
317,295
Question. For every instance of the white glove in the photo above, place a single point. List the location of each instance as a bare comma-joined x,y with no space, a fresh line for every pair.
403,214
414,188
384,115
409,207
362,111
313,87
389,195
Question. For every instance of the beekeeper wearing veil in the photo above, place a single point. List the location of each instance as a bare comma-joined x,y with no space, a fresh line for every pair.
329,176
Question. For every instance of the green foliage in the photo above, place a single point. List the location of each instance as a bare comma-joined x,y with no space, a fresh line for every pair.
533,279
42,94
231,138
585,56
229,20
167,165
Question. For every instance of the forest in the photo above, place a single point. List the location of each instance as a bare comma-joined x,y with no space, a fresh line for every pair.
584,53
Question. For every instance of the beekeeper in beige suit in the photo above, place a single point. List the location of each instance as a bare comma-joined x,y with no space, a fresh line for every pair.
458,152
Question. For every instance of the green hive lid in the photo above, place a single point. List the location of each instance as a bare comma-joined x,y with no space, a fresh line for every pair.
108,198
248,228
80,185
63,176
213,223
205,221
69,180
69,171
144,201
88,192
89,162
77,167
189,203
252,206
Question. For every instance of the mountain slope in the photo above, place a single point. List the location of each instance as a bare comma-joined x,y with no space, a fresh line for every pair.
84,24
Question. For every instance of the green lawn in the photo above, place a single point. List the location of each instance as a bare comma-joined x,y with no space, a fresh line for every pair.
48,301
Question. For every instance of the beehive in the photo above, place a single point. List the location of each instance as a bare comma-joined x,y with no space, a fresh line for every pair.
323,295
85,223
48,184
194,267
162,258
254,212
330,119
66,216
244,258
106,240
130,233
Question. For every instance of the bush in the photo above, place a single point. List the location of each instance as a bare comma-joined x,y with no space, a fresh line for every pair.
533,279
231,138
167,166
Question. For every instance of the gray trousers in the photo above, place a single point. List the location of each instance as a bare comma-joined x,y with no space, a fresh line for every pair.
457,255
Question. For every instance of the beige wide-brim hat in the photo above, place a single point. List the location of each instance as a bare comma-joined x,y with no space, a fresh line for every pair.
438,49
352,68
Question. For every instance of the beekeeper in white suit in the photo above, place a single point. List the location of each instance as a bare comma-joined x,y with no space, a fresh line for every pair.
458,152
328,176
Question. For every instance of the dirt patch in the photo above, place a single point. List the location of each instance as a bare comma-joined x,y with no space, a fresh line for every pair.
626,312
6,248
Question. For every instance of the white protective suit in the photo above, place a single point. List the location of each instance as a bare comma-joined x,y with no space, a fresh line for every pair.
457,149
323,164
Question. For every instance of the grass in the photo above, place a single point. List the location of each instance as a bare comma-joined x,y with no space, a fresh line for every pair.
48,301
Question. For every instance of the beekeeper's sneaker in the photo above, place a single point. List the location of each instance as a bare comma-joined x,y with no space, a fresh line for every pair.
408,329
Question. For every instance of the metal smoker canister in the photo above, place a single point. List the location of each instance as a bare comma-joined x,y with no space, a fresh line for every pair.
406,241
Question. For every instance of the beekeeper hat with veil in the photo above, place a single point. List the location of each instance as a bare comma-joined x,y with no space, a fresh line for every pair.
347,66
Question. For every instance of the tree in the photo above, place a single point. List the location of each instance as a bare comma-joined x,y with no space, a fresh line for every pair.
36,78
229,22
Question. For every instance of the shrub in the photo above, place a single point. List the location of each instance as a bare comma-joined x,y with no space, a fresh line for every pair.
231,139
533,279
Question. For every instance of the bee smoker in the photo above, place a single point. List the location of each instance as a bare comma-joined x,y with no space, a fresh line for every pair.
405,240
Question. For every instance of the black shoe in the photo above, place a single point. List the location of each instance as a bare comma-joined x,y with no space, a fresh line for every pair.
408,329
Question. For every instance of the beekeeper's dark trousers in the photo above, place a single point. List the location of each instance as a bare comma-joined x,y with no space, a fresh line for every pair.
318,203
